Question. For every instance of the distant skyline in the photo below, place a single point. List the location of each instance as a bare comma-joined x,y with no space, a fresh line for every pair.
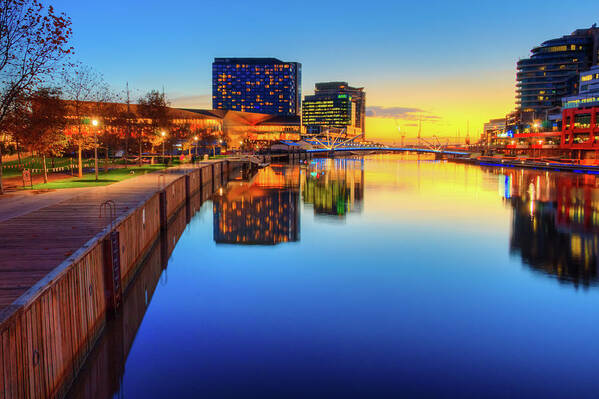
448,62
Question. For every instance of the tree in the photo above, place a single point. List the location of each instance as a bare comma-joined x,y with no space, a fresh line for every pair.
43,118
154,111
82,86
105,109
33,42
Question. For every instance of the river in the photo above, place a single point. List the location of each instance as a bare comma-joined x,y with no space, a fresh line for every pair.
383,276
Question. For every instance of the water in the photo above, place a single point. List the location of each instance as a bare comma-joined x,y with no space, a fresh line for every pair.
386,276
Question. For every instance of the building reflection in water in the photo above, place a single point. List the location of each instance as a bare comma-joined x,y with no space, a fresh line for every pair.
262,211
334,186
555,226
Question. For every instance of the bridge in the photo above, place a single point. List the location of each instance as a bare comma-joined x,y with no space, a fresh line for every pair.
340,142
425,150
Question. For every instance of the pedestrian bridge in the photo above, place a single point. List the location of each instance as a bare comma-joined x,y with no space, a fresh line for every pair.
388,149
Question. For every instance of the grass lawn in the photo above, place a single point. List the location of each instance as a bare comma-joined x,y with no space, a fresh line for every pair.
14,168
104,179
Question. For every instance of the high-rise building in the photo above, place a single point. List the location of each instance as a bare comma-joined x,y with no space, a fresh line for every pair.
335,105
262,85
552,72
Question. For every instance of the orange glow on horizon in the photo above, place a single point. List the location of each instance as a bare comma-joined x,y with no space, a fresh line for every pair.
448,105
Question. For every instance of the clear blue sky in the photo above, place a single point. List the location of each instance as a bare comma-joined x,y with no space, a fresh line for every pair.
400,51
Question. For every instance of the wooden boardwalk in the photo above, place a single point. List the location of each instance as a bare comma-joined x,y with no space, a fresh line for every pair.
33,244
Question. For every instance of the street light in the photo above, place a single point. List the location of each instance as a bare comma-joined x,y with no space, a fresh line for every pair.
95,124
163,134
196,138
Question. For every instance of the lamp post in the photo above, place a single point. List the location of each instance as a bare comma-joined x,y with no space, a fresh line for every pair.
95,124
163,134
195,139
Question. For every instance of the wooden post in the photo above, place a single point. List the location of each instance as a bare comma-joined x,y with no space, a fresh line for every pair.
212,165
163,213
187,188
222,174
201,179
187,198
112,272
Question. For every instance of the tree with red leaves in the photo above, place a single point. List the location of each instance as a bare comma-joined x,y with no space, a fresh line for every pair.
42,118
33,43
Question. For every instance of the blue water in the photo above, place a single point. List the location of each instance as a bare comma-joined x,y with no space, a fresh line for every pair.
379,277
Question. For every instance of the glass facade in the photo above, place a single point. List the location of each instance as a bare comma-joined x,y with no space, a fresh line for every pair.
261,85
327,110
552,71
335,105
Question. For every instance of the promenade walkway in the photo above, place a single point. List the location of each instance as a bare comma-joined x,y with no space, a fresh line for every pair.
37,233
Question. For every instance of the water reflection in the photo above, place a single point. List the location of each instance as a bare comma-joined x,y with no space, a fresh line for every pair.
334,187
263,211
102,375
434,317
555,222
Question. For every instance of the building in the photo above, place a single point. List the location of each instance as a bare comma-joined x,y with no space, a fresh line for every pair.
494,130
254,129
588,94
335,105
552,72
580,115
262,85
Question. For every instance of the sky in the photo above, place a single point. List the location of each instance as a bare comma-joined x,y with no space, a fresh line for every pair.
451,64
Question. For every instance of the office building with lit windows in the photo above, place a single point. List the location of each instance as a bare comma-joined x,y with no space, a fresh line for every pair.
552,72
261,85
580,115
335,105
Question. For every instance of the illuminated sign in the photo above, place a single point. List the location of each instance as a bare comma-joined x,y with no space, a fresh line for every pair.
503,135
581,102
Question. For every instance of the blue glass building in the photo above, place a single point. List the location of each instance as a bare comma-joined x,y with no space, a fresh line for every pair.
552,71
261,85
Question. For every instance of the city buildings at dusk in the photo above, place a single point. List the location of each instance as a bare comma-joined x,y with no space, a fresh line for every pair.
335,105
262,85
175,223
552,72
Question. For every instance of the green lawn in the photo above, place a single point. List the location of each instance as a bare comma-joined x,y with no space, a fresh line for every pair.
104,179
13,168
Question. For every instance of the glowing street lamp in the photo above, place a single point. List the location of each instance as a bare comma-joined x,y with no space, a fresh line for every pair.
95,125
196,138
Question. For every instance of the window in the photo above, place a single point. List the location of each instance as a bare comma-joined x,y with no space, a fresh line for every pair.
582,121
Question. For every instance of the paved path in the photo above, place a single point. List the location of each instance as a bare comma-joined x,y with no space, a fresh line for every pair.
38,232
20,203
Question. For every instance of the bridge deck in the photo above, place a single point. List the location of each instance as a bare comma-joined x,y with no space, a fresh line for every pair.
388,149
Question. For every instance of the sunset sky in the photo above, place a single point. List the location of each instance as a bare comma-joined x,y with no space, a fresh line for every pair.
447,62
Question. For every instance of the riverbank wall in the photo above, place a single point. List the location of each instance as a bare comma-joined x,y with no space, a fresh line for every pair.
47,333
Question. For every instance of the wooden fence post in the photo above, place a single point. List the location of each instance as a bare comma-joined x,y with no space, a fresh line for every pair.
163,212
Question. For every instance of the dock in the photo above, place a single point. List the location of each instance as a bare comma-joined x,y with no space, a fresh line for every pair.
64,268
549,165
